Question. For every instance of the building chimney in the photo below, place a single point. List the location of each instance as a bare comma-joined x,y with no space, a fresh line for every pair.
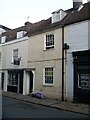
88,0
58,15
77,4
27,23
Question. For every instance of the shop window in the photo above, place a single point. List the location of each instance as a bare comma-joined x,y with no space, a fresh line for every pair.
84,81
13,79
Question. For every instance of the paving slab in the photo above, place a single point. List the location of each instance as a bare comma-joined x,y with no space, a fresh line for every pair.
80,108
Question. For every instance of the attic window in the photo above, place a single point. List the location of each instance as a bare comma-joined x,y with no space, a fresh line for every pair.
3,40
20,34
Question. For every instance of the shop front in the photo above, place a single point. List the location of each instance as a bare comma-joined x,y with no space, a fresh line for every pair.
82,76
15,81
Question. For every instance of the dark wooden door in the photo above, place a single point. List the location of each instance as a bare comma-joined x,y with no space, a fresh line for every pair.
31,82
2,80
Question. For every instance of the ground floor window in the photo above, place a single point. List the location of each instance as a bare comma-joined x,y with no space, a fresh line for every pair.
13,79
48,76
84,81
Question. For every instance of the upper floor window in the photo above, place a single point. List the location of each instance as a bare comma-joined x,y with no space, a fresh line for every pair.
15,58
3,39
15,54
20,34
49,41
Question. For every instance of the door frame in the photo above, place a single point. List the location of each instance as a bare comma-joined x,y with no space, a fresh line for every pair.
33,86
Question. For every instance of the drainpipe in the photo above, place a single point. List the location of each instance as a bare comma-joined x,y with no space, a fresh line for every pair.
62,63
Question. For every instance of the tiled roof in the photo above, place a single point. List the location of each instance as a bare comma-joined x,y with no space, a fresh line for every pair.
44,25
5,28
78,16
70,18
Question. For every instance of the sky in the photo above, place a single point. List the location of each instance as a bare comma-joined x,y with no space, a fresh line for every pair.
14,13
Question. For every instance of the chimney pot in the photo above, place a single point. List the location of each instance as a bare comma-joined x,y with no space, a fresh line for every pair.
77,4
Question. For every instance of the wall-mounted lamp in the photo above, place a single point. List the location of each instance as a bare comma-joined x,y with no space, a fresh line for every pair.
65,46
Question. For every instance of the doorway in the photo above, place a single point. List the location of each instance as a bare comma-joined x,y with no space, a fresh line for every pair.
2,81
31,81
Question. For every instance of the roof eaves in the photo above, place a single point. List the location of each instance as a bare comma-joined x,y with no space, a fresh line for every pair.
4,27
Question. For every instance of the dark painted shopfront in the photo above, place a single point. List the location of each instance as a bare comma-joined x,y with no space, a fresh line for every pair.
82,76
15,81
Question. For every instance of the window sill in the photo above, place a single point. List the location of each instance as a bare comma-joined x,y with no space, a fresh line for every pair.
48,85
49,49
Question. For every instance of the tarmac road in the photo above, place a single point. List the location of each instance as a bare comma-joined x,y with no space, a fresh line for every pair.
12,108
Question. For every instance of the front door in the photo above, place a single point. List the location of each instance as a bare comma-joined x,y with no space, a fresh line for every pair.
31,82
21,82
82,77
2,80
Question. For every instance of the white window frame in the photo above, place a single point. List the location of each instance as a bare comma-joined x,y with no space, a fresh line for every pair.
3,39
48,84
14,55
20,34
46,47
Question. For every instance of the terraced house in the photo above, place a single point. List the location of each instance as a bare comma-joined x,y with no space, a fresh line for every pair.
36,55
78,55
2,29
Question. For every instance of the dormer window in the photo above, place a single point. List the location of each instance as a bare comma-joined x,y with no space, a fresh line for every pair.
58,15
20,34
3,39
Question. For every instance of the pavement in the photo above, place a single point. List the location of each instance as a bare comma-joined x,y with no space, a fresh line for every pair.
63,105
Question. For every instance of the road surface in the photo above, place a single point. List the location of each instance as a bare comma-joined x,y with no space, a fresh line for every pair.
12,108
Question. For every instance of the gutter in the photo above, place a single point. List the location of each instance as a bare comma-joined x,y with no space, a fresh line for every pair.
62,63
65,47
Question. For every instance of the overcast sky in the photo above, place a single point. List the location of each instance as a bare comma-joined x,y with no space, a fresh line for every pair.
14,13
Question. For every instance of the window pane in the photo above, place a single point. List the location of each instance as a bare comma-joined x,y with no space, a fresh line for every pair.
12,79
15,54
49,75
84,81
49,40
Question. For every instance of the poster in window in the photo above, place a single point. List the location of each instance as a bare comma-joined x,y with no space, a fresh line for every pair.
84,81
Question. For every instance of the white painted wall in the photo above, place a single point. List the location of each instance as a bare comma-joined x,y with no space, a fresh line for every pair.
7,49
77,39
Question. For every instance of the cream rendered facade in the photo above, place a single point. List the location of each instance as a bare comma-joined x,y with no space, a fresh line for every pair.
7,65
39,58
34,59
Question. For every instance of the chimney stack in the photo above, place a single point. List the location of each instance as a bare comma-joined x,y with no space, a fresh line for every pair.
58,15
77,4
